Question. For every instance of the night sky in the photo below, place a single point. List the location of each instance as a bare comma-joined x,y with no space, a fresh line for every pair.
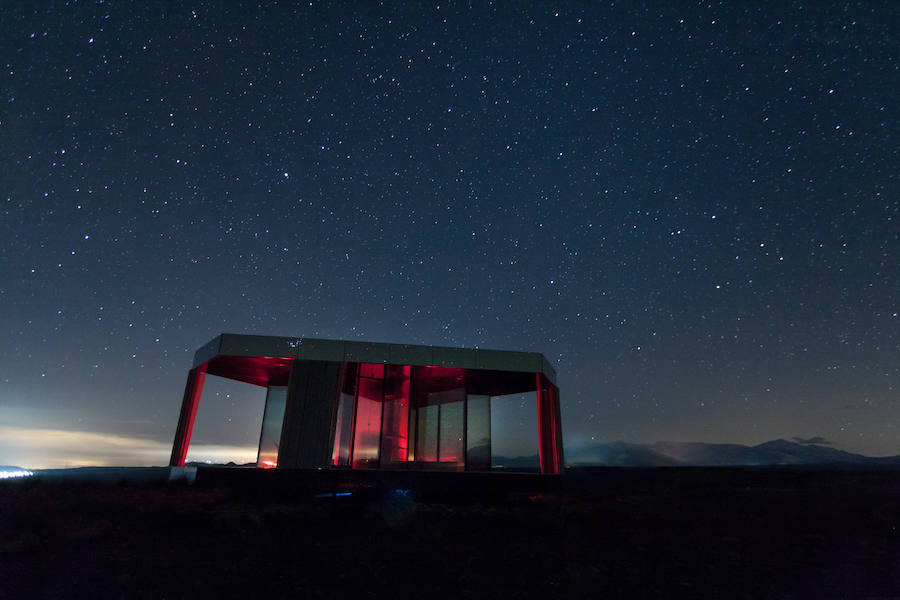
692,210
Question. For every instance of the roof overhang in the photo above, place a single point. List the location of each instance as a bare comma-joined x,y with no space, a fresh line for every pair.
276,347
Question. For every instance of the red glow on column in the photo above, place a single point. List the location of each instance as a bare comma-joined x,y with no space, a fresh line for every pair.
192,390
547,426
336,451
553,417
403,427
395,416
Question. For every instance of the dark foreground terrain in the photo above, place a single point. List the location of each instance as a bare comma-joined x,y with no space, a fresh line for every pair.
607,533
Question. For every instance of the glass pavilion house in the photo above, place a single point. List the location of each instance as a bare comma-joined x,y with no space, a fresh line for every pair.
362,405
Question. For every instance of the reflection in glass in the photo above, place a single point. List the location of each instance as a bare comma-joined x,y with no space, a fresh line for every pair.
367,433
411,456
439,409
396,415
478,432
343,430
450,443
513,428
427,433
270,436
371,370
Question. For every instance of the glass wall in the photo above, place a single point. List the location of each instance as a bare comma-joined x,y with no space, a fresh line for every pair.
398,416
343,429
395,429
478,432
227,423
413,428
367,432
427,433
438,402
270,435
451,428
514,428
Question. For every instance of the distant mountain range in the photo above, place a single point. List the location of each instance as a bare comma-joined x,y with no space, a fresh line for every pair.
674,454
620,454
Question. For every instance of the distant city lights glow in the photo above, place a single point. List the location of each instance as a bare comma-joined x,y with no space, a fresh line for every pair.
15,474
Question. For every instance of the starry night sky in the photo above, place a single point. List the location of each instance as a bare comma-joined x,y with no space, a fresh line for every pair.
692,210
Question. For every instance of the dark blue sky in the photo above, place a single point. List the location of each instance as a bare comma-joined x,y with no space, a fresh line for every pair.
691,208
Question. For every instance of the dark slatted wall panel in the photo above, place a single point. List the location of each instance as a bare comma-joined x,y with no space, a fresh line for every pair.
307,437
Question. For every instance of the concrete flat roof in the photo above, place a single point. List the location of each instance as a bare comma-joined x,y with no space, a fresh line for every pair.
234,344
